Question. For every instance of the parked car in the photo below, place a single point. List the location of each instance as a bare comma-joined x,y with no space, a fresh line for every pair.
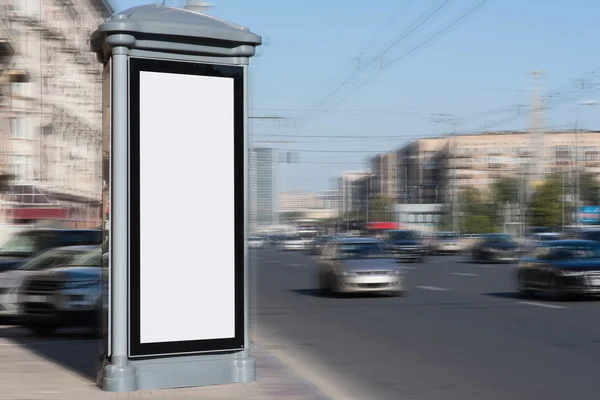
255,242
561,268
497,247
349,265
294,242
10,281
64,296
406,245
444,243
29,244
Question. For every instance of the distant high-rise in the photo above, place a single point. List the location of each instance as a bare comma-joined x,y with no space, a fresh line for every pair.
263,176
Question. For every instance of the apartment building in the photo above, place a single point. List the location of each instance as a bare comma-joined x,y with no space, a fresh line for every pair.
298,201
50,136
263,179
432,168
350,185
384,169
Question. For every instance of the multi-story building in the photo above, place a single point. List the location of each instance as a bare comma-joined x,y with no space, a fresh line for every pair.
263,178
331,200
51,121
434,169
349,185
384,181
298,201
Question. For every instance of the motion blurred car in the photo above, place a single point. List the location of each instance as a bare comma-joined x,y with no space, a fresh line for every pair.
64,296
561,268
406,245
585,234
293,242
495,247
349,265
317,245
444,243
255,242
28,244
10,281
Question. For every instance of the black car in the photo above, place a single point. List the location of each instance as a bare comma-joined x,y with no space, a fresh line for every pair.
497,247
562,268
406,245
30,243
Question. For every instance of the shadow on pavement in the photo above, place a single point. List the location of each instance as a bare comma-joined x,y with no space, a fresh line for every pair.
77,351
319,293
505,295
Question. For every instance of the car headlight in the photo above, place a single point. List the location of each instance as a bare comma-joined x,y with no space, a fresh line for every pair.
346,273
81,284
570,273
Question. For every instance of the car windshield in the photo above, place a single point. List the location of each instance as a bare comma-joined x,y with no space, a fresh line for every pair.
403,235
499,239
446,235
51,259
92,258
22,245
357,250
575,251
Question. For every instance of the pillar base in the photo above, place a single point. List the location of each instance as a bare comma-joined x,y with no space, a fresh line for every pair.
177,372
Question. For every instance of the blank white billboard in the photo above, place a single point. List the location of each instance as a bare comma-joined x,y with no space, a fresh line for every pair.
187,249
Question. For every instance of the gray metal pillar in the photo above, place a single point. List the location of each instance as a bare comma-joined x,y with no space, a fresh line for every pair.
119,376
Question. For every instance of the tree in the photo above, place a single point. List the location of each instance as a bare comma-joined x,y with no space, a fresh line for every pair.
476,215
546,204
382,209
505,190
589,189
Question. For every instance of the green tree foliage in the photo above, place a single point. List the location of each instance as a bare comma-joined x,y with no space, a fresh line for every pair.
505,190
589,189
381,209
476,213
545,207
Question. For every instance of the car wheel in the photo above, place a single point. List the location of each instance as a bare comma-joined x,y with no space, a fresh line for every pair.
556,291
524,291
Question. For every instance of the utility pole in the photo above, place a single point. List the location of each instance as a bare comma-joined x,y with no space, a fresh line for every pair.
447,118
535,166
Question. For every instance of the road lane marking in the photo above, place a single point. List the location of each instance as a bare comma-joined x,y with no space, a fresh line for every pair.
463,274
298,265
435,288
536,304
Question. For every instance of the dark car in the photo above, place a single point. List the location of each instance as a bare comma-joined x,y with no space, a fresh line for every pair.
406,245
561,268
30,243
317,245
497,247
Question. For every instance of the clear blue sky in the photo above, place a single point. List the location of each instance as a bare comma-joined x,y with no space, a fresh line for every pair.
477,71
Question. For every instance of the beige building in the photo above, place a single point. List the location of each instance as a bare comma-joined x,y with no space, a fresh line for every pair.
299,201
429,169
50,134
384,180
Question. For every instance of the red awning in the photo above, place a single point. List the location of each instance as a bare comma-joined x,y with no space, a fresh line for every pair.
382,226
39,213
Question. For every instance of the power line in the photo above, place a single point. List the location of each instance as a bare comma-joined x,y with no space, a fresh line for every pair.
403,36
406,54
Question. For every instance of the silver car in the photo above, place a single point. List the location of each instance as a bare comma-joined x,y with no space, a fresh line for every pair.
350,265
10,281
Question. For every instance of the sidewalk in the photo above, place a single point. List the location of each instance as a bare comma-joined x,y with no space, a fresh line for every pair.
27,375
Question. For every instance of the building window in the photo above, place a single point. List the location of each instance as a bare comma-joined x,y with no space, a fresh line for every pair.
19,88
18,127
21,166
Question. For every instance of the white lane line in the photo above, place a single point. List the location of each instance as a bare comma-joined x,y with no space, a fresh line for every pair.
297,265
435,288
409,268
463,274
536,304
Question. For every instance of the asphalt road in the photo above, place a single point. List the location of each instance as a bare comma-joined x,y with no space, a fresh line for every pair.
460,333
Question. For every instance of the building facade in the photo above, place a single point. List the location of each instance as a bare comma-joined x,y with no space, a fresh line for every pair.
299,201
263,178
349,185
50,136
433,170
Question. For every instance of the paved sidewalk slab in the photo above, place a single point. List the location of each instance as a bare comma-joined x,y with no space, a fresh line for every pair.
26,374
